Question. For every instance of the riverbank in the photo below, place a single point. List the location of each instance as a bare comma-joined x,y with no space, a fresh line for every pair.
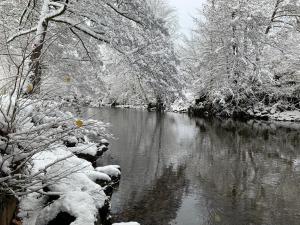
263,106
49,170
262,102
258,112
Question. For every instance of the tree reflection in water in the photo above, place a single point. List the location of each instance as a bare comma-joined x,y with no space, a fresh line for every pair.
191,171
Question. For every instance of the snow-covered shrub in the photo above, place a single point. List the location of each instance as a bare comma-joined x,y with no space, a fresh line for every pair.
29,127
35,160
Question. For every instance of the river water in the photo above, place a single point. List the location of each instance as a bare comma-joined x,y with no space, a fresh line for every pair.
191,171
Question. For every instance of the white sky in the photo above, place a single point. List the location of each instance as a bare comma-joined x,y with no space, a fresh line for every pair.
186,9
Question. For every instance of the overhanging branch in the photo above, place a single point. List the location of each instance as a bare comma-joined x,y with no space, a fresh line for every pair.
21,33
79,26
82,42
124,14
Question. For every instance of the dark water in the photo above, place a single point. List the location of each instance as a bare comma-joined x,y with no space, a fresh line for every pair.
191,171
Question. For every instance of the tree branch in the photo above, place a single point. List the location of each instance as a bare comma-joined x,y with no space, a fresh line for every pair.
21,33
82,42
123,14
82,28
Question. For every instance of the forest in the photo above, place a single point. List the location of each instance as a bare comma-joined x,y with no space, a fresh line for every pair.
60,58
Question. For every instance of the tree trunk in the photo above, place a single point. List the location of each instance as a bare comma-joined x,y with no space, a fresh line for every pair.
235,49
273,16
8,206
38,44
160,107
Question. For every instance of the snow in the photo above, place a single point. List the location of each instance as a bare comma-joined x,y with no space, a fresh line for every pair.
296,164
112,170
287,116
71,139
182,104
179,105
74,180
80,196
5,165
78,204
7,107
131,106
104,141
44,127
80,173
96,175
29,207
129,223
88,149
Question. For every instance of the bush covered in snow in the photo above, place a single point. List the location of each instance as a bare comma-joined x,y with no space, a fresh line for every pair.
36,162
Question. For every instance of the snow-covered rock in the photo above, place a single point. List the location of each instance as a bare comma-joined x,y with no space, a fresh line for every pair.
129,223
74,180
104,142
88,149
56,179
286,116
111,170
79,204
70,141
180,105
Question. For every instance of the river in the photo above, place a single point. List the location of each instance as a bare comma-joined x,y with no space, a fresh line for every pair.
192,171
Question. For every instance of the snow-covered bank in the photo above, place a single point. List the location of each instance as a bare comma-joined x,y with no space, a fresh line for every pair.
49,164
263,107
293,116
129,223
75,185
264,114
258,112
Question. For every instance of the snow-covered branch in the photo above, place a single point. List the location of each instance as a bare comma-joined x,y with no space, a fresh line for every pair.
21,33
124,14
99,35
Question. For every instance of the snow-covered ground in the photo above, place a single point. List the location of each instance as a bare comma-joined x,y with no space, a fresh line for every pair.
129,223
75,183
56,178
286,116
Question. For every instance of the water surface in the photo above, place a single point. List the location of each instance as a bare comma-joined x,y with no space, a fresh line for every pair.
191,171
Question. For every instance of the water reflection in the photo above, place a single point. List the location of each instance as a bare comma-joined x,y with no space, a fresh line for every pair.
178,170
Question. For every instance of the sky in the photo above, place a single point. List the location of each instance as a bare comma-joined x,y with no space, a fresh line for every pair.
185,9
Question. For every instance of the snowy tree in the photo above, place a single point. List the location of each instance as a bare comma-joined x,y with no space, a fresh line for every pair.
240,47
46,152
103,21
145,44
149,72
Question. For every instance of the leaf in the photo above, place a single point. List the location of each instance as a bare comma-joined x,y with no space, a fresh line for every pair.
217,218
16,222
29,88
67,79
79,123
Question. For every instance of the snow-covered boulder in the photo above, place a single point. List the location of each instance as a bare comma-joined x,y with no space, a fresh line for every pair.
74,181
70,141
104,142
89,151
111,170
287,116
79,205
129,223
